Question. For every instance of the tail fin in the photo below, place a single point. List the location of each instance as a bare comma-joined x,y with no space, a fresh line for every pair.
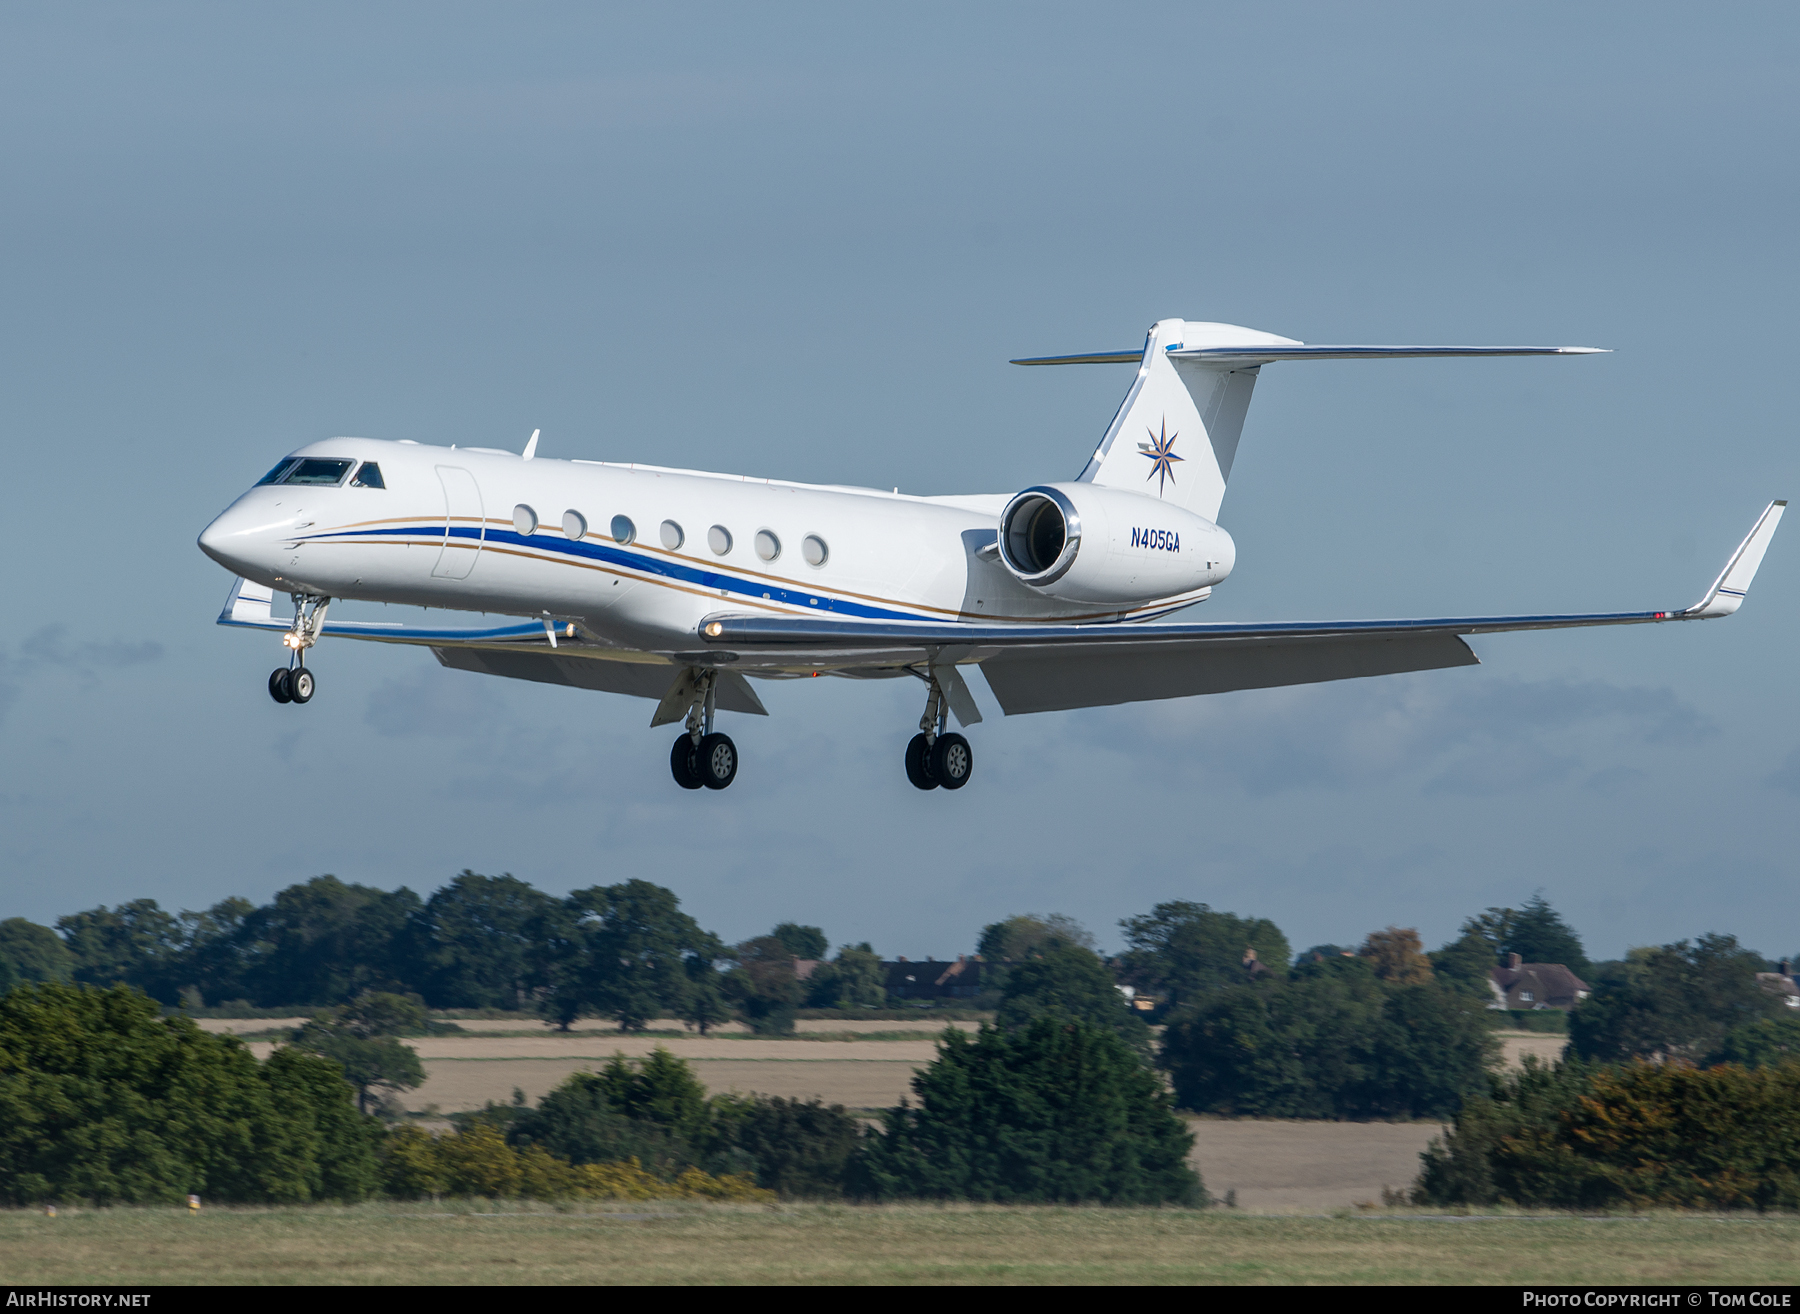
1176,433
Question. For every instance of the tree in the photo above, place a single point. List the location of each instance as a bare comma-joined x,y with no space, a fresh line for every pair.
1332,1040
635,947
1466,964
362,1038
1538,934
103,1100
136,943
654,1111
854,979
214,950
1636,1136
796,1148
1057,1112
34,952
764,985
805,942
476,942
1759,1044
1180,950
1678,1001
1020,937
704,1005
1397,956
1069,982
324,942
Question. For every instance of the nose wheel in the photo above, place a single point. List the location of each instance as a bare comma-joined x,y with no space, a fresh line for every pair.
291,685
295,684
936,757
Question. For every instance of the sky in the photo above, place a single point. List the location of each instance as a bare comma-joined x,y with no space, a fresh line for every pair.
802,241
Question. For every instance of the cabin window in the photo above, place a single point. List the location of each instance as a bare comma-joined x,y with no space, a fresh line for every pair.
525,520
368,477
623,531
813,548
574,526
316,471
768,547
718,538
672,537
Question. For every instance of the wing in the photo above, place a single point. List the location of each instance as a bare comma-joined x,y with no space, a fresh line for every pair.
1038,668
543,651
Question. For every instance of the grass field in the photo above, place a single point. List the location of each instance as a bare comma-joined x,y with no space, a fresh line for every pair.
512,1244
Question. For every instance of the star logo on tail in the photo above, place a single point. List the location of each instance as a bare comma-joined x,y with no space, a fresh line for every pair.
1161,451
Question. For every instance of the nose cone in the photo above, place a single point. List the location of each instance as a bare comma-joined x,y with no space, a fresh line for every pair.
244,538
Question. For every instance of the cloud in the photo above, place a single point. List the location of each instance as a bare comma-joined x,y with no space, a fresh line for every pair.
52,646
1466,738
50,650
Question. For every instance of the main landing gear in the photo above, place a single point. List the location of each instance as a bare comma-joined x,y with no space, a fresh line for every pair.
702,758
293,683
934,757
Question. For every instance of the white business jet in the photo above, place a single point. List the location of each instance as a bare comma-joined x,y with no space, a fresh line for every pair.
674,585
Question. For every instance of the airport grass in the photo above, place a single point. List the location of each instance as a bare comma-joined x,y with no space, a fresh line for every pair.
501,1243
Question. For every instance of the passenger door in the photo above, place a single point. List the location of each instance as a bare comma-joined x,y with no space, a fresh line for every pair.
465,524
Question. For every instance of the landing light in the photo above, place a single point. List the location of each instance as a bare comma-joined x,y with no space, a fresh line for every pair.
714,630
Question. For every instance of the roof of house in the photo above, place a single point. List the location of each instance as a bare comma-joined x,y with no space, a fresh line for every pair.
1546,980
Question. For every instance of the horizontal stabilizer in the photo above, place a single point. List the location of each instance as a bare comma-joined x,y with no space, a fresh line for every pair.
1262,355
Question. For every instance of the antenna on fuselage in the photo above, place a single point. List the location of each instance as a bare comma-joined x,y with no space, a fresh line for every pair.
531,447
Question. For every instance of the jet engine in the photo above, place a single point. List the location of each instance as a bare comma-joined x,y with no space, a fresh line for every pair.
1084,543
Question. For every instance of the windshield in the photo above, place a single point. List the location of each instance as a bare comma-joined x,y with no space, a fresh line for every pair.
368,477
313,470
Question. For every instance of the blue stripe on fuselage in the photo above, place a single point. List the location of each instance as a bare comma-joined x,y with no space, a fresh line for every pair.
613,555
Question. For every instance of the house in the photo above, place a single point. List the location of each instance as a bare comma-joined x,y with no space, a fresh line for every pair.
1781,983
1528,986
934,980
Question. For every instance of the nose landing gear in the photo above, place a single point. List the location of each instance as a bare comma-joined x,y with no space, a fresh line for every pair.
294,683
935,757
701,757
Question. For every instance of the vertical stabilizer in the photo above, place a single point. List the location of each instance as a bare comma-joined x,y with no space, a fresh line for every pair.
1176,433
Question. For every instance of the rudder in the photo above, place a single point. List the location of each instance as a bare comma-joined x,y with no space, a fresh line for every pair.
1176,434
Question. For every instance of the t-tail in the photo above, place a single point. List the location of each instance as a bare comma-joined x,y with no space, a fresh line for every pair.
1176,433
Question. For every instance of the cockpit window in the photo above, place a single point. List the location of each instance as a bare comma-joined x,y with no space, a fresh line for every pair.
274,475
313,470
368,477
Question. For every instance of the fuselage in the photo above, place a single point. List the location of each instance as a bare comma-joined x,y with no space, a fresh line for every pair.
638,555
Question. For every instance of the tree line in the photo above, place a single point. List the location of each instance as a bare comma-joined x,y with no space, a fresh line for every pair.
625,951
1377,1029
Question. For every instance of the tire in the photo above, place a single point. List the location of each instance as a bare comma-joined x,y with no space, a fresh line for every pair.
682,764
300,685
716,763
918,763
279,689
952,761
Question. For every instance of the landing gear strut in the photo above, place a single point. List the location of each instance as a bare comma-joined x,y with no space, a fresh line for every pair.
293,683
702,758
935,757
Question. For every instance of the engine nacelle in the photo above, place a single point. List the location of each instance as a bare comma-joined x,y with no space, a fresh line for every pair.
1085,543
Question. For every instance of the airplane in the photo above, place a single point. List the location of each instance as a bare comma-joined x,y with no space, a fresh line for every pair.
675,585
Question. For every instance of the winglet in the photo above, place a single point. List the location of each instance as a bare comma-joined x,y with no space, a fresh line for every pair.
1733,582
